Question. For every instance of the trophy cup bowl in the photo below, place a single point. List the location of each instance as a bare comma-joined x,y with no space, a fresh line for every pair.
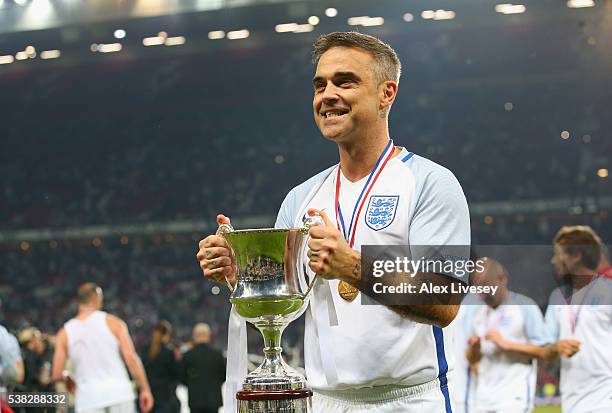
271,291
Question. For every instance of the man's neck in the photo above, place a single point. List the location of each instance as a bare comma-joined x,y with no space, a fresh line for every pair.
85,311
581,278
358,158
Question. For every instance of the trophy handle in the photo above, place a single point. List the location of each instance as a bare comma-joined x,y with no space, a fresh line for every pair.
310,221
222,231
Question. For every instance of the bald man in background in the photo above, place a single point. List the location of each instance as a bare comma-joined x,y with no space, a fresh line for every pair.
98,345
203,372
505,339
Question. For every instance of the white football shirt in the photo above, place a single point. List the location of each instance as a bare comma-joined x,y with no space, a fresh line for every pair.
507,380
464,383
371,344
99,371
586,377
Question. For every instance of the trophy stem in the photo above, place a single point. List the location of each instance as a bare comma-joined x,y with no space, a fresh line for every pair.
272,345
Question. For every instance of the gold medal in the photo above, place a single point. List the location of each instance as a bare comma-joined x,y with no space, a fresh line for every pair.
347,291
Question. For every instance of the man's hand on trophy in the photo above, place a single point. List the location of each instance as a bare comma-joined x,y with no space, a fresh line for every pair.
216,258
329,253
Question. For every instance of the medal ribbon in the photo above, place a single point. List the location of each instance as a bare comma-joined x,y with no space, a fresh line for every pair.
382,161
496,321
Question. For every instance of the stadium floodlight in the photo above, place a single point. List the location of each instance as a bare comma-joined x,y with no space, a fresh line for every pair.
508,8
313,20
39,11
356,21
285,27
216,34
7,59
176,41
20,2
153,41
119,34
331,12
50,54
578,4
238,34
303,28
365,21
110,47
439,14
294,28
444,15
21,55
374,21
565,135
428,14
408,17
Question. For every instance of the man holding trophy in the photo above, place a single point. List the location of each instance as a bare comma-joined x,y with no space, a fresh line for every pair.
364,358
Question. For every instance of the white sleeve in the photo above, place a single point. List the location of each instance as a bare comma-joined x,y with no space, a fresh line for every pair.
441,216
285,217
534,325
551,324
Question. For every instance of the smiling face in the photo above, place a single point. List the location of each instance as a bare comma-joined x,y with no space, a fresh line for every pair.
347,96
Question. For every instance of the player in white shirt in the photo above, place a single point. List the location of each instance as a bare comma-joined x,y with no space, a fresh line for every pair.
11,363
98,344
506,339
579,323
374,358
464,382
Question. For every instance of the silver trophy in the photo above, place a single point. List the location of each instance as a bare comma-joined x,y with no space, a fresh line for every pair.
271,291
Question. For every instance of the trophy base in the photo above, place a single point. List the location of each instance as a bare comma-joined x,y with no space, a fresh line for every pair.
284,401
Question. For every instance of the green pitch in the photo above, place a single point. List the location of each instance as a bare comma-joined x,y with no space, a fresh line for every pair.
547,409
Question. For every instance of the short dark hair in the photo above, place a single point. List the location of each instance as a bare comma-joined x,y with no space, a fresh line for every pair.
86,292
387,64
581,239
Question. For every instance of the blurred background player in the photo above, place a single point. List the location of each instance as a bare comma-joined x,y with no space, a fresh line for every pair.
11,365
203,372
162,367
37,357
98,344
505,341
579,322
464,382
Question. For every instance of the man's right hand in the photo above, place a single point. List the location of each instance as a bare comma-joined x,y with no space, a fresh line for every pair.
216,258
568,347
474,342
145,401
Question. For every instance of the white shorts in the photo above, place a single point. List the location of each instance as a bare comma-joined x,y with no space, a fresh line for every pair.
508,409
125,407
459,406
425,398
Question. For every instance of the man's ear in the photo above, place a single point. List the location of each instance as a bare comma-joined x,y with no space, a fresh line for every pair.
388,92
